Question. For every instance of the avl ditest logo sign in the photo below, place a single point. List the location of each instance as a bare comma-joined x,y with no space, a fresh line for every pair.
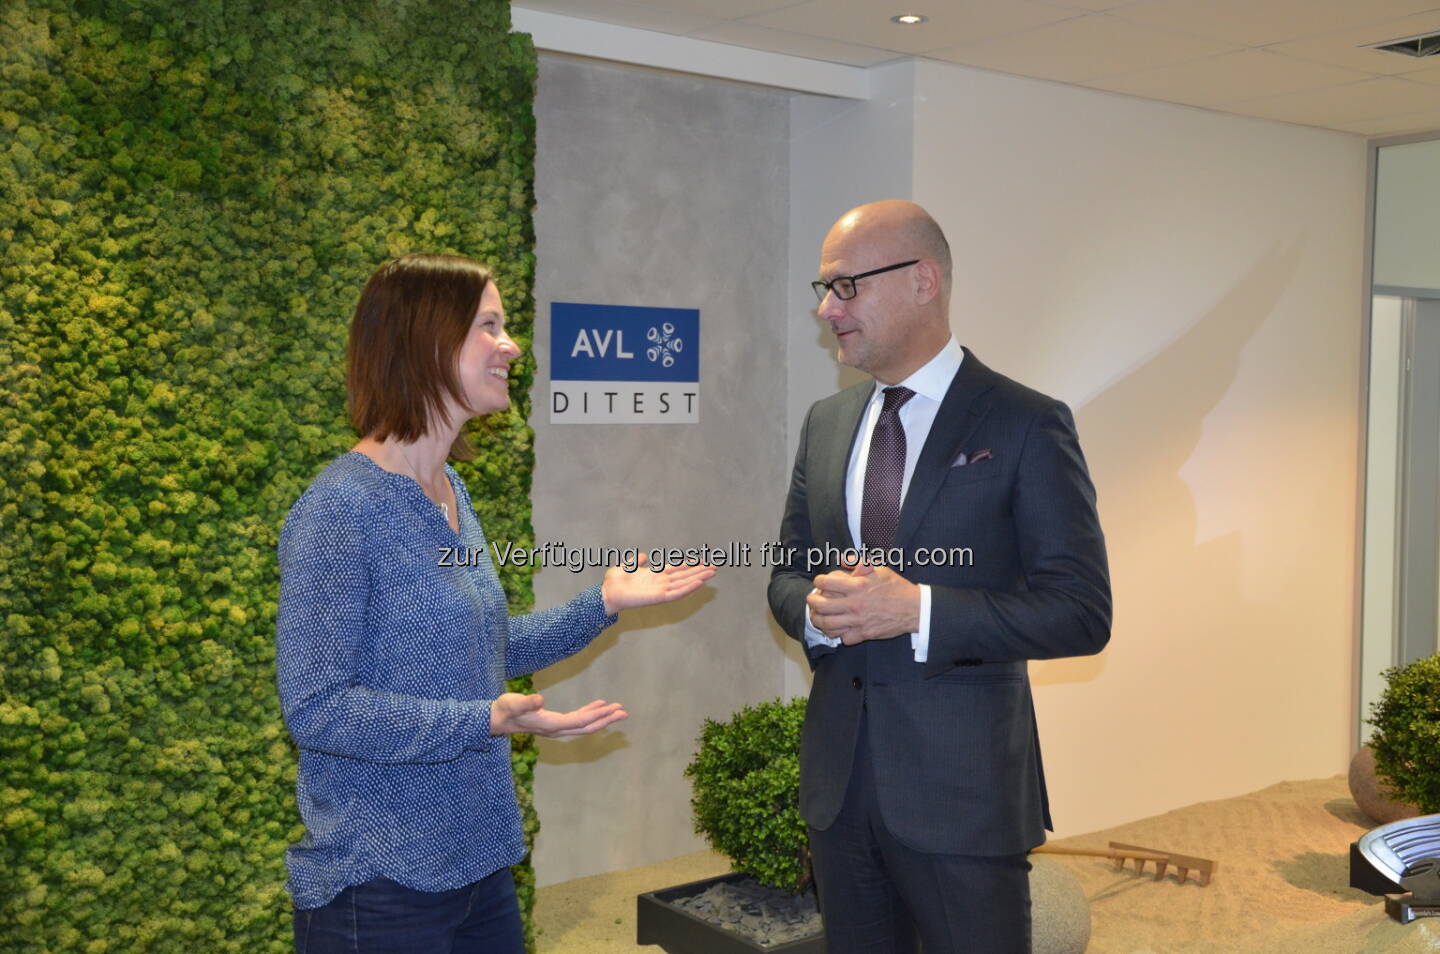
621,364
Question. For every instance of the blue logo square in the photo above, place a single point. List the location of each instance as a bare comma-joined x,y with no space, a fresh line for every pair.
623,343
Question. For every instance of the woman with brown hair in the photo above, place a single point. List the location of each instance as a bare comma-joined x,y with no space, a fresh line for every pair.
392,661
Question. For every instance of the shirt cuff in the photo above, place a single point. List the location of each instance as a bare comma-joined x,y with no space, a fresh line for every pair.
480,738
595,596
813,636
920,642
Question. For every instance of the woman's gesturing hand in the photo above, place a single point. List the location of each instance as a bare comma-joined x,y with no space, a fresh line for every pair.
516,712
642,586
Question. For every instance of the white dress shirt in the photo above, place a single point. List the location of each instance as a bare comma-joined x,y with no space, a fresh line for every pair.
930,383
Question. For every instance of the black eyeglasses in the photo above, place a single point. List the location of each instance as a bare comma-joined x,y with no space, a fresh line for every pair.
844,285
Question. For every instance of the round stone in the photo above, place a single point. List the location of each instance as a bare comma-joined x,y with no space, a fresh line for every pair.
1059,910
1369,792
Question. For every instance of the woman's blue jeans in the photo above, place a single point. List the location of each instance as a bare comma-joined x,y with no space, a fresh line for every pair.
382,917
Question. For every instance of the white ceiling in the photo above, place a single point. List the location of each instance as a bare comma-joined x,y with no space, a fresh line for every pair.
1298,61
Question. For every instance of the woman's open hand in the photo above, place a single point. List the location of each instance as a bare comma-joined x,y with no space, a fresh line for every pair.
642,586
517,712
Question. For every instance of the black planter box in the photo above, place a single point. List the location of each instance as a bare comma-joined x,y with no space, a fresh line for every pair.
677,931
1366,877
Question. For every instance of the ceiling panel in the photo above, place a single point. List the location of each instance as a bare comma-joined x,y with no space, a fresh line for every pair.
1430,77
1244,75
867,22
1395,125
1347,48
1092,6
1083,49
1371,99
1253,23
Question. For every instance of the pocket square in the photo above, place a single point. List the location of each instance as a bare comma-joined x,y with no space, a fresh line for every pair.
961,459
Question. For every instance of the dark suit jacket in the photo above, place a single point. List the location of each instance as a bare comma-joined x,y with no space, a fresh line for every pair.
957,757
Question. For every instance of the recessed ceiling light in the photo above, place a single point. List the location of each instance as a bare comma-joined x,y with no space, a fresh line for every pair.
909,19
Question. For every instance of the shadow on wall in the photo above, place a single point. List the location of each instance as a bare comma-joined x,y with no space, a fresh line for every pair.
592,748
1137,435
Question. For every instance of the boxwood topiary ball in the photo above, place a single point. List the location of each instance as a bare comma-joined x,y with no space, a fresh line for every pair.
1407,733
746,798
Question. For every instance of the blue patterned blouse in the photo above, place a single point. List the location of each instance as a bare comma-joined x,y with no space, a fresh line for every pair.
387,662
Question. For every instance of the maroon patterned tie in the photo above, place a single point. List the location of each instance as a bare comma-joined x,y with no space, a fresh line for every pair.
884,474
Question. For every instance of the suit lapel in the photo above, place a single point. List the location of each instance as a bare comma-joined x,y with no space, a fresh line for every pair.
827,489
962,410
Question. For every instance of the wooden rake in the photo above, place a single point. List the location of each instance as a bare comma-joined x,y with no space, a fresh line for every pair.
1121,853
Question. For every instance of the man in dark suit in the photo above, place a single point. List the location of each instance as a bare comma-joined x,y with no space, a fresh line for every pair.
920,775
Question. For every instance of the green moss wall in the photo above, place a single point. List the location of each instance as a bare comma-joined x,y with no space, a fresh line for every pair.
191,197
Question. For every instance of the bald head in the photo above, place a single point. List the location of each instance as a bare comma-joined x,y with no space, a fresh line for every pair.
892,314
897,229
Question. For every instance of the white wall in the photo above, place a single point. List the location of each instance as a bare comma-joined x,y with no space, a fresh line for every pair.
1407,215
1191,283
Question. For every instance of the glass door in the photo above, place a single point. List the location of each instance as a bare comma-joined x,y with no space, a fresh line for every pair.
1400,582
